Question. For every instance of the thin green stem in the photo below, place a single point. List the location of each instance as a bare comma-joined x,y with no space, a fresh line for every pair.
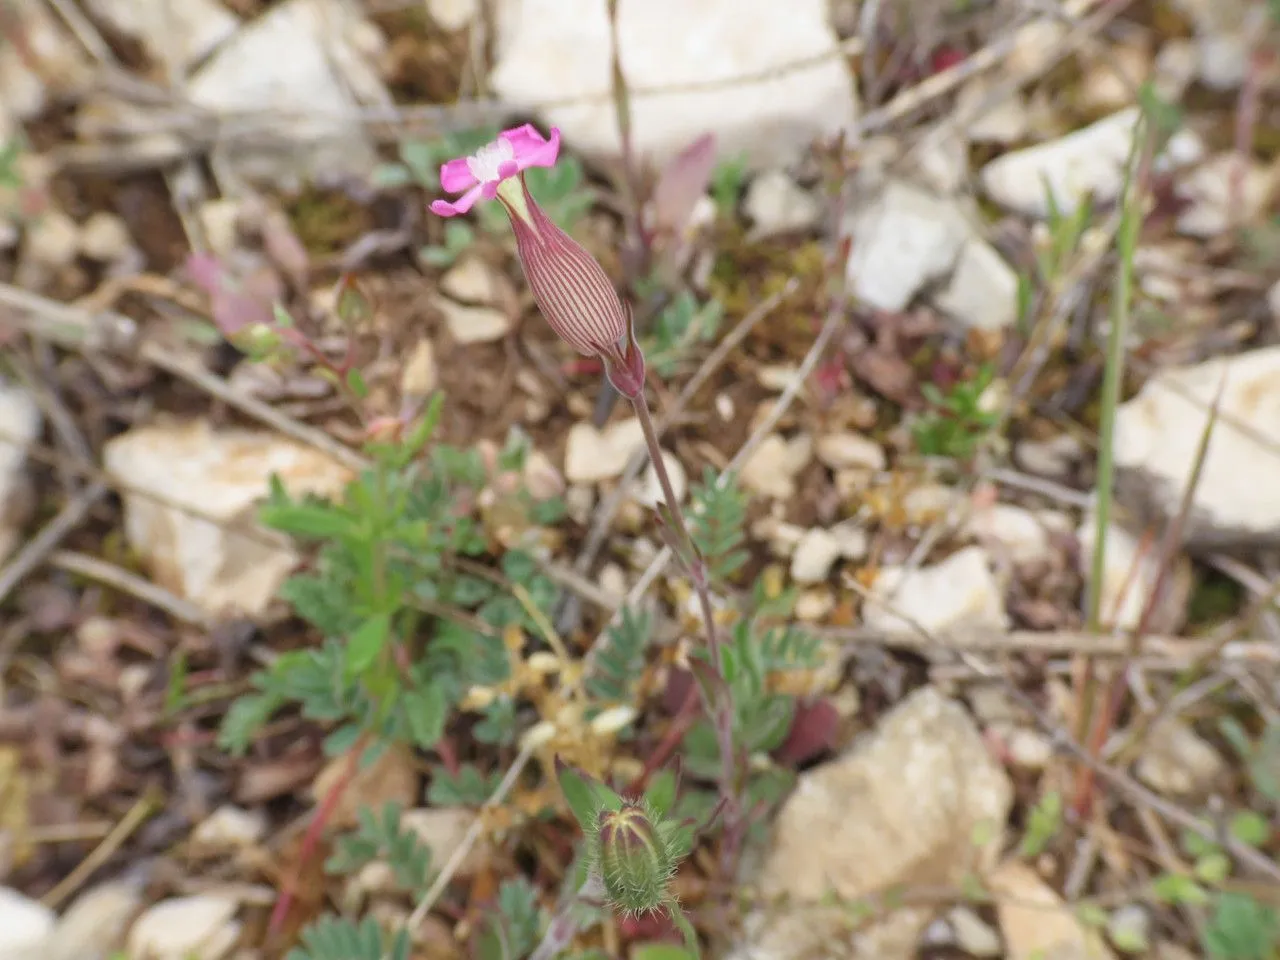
1131,218
719,709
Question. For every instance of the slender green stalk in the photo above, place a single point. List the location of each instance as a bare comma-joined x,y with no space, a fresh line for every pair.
1131,217
719,709
1112,378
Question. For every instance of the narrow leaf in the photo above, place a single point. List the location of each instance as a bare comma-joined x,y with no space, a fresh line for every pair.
367,642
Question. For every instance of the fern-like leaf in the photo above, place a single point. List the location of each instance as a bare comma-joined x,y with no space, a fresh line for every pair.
717,522
381,836
621,659
336,938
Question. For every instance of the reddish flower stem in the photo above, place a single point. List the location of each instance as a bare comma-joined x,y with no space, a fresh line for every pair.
312,837
719,708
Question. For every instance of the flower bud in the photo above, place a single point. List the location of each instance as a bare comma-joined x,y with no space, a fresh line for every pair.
634,861
572,290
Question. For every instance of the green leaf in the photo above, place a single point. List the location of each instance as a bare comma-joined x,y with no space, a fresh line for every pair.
661,794
387,176
621,660
281,315
437,256
341,740
458,236
685,927
1242,928
356,384
247,716
660,951
468,788
319,521
1179,888
1250,828
367,643
1213,868
586,796
426,709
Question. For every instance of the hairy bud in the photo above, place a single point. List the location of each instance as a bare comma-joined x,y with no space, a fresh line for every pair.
634,859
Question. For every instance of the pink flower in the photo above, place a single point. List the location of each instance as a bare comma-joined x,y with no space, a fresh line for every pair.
480,175
570,287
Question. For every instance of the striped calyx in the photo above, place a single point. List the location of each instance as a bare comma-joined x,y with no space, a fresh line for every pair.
572,290
633,859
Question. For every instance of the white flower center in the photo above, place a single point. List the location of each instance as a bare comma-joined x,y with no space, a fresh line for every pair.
488,159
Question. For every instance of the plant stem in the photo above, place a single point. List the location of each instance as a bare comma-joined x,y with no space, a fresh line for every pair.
1092,725
564,924
719,709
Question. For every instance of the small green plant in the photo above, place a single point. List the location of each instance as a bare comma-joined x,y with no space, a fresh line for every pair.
727,180
386,552
1261,757
1065,229
1043,824
9,175
458,238
956,423
677,329
512,928
1242,928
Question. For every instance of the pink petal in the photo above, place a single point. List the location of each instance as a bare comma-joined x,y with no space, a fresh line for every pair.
456,176
531,148
464,203
443,208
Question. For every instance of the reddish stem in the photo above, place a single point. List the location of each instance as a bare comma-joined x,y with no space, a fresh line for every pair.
448,756
680,725
312,837
719,708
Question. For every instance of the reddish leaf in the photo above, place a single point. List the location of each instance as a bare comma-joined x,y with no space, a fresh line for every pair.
205,272
944,58
813,731
682,183
679,683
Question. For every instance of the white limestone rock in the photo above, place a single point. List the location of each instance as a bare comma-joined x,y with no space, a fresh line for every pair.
982,293
1237,498
957,595
191,494
199,927
776,204
903,239
312,62
175,33
20,426
1089,162
731,62
25,926
901,808
593,455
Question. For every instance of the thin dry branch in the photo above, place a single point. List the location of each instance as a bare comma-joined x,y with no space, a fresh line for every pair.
74,328
38,549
